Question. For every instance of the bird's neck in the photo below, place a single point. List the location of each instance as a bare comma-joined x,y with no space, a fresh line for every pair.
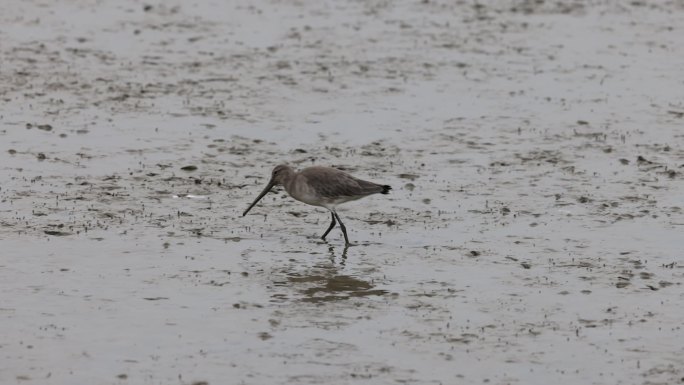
288,179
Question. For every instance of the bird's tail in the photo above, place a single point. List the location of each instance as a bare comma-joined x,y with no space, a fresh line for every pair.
385,189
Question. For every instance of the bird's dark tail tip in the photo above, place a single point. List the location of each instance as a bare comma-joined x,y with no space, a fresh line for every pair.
385,189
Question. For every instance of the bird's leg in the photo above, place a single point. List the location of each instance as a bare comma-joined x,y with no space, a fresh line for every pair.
344,229
332,224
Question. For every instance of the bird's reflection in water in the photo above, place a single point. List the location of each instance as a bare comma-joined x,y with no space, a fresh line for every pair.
333,256
326,283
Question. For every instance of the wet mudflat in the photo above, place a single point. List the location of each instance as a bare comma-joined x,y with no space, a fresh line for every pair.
534,232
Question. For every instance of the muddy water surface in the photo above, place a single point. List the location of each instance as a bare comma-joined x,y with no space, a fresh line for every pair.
534,231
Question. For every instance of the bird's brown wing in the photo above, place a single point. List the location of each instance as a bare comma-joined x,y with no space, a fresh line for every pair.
332,183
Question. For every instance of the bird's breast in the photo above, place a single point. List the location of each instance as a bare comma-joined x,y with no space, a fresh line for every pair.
300,190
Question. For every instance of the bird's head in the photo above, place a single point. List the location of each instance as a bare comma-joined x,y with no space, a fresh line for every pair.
280,173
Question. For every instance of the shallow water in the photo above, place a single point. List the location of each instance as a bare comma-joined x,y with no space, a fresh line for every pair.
533,231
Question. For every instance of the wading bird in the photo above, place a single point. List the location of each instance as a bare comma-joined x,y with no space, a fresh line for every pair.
321,186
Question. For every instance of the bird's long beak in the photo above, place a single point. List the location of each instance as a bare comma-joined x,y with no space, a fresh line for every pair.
268,188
